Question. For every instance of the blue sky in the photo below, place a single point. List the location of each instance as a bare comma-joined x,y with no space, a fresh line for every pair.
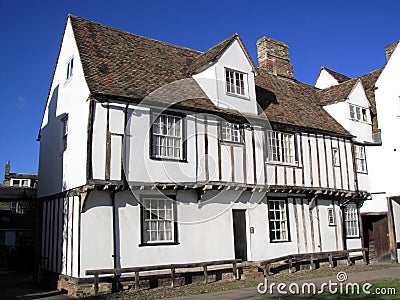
347,36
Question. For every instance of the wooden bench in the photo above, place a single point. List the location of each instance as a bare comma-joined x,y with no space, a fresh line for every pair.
172,271
312,258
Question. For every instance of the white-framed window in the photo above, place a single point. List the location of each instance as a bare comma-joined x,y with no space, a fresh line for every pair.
360,159
331,216
20,182
70,68
281,147
167,137
278,223
351,220
65,133
158,220
231,132
235,82
358,113
336,157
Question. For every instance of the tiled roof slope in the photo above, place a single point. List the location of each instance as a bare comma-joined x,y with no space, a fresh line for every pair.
341,91
211,54
339,77
120,63
292,102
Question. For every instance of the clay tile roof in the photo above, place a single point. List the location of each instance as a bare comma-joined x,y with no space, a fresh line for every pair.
212,54
336,93
339,77
292,102
124,64
341,91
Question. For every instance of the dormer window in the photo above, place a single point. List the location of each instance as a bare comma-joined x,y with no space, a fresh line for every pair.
358,113
70,68
235,82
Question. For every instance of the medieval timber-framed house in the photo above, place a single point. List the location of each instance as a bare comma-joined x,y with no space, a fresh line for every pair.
151,153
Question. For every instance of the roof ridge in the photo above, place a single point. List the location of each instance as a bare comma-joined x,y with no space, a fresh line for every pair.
135,35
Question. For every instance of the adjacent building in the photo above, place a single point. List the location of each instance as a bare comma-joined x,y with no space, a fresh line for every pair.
369,108
18,220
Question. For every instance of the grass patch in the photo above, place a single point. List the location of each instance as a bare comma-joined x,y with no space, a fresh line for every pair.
190,289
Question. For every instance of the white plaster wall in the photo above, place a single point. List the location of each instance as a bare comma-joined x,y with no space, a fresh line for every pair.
96,232
387,95
60,171
205,230
325,80
212,80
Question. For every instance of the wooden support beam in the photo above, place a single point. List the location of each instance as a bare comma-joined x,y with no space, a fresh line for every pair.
330,261
205,274
96,284
290,264
172,277
312,263
235,270
137,287
348,259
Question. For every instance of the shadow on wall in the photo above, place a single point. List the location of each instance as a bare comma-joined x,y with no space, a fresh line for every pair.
51,150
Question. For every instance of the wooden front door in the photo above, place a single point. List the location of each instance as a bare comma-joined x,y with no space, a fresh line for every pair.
239,234
381,237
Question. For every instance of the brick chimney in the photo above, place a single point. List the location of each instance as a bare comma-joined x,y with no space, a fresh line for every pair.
6,181
389,49
273,56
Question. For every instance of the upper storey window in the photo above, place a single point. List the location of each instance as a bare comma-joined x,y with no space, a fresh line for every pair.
231,132
235,82
65,132
358,113
281,147
167,137
70,68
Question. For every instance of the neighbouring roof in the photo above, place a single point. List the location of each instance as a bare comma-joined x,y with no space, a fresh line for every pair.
339,77
292,102
341,91
124,65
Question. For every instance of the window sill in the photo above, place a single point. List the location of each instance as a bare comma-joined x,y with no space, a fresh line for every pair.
159,244
168,159
362,172
295,165
244,97
360,121
279,242
232,143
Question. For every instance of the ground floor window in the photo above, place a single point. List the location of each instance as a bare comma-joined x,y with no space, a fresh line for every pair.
278,221
158,221
351,220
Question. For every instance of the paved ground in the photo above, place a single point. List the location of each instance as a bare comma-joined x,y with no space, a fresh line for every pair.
20,286
392,272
